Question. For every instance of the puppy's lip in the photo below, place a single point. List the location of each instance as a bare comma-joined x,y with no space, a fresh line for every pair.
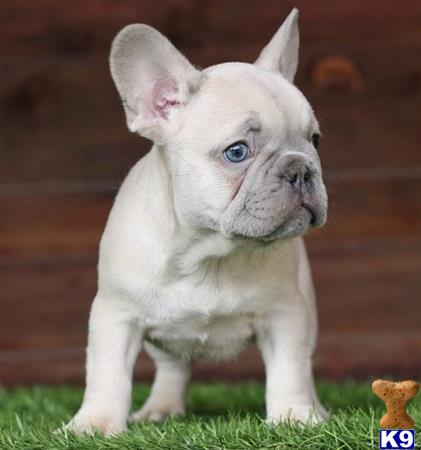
245,238
313,214
273,235
315,218
318,214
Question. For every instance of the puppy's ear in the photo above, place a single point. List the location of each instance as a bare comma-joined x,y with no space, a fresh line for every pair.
281,54
153,78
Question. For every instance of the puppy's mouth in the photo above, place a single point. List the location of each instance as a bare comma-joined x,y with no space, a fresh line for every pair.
298,222
295,225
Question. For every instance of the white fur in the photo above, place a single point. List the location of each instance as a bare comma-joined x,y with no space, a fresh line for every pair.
169,278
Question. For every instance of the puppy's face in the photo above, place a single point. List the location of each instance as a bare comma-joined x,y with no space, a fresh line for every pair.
244,160
240,139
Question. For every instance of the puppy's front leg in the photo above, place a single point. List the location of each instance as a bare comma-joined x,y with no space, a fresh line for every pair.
113,345
284,340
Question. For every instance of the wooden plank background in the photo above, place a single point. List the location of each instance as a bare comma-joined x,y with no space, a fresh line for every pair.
64,150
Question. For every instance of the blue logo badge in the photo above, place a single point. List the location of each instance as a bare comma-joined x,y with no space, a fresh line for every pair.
397,439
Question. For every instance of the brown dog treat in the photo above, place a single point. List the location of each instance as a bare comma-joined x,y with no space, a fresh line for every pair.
396,396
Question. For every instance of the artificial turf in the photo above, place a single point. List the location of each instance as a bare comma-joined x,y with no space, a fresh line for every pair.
220,416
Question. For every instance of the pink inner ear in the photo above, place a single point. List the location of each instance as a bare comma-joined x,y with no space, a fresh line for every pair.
164,96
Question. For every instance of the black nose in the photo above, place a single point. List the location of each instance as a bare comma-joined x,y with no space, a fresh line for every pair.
299,176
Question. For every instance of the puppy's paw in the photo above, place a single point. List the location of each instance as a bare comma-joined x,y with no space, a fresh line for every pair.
299,414
157,411
321,412
90,422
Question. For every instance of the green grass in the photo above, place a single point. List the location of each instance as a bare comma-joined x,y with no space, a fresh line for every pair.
220,416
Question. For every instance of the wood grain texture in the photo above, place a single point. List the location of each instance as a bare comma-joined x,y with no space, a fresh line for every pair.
64,150
366,209
60,118
368,306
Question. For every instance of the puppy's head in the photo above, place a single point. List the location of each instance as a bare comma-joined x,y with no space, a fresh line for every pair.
240,140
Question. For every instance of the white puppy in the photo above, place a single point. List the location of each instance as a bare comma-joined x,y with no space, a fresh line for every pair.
202,250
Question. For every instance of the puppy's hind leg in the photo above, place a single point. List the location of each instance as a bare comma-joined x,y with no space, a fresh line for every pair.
167,396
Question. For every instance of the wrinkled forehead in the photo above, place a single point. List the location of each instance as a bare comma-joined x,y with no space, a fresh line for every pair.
234,94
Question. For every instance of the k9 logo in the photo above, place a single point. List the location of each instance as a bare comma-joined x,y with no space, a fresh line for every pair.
397,439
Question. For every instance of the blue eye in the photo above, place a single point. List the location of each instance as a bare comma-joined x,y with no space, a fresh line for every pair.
237,152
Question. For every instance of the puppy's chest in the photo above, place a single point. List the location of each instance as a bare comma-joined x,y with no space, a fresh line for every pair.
204,336
206,321
214,313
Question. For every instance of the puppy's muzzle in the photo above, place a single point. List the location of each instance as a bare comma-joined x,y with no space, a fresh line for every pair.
301,176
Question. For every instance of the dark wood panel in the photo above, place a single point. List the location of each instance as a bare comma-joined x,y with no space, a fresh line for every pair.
60,118
50,225
372,288
79,134
51,25
368,303
64,149
52,297
369,355
373,208
45,302
34,226
357,356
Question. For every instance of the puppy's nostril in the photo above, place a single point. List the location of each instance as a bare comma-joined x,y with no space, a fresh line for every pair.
293,178
299,178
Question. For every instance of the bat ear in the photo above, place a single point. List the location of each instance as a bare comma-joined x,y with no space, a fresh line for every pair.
281,54
153,78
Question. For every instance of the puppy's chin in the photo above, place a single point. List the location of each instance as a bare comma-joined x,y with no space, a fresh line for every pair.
296,225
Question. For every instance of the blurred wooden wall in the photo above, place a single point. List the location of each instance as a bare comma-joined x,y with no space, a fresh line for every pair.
64,149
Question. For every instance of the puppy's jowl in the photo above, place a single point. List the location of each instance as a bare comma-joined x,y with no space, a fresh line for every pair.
202,251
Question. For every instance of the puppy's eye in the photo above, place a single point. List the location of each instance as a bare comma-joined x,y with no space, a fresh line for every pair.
315,140
237,152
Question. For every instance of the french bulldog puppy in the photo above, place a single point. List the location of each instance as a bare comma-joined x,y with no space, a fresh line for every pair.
202,252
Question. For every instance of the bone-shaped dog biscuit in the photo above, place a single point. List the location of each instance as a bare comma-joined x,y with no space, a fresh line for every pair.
396,396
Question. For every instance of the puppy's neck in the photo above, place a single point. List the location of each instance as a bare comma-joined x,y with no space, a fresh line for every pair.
191,253
187,250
